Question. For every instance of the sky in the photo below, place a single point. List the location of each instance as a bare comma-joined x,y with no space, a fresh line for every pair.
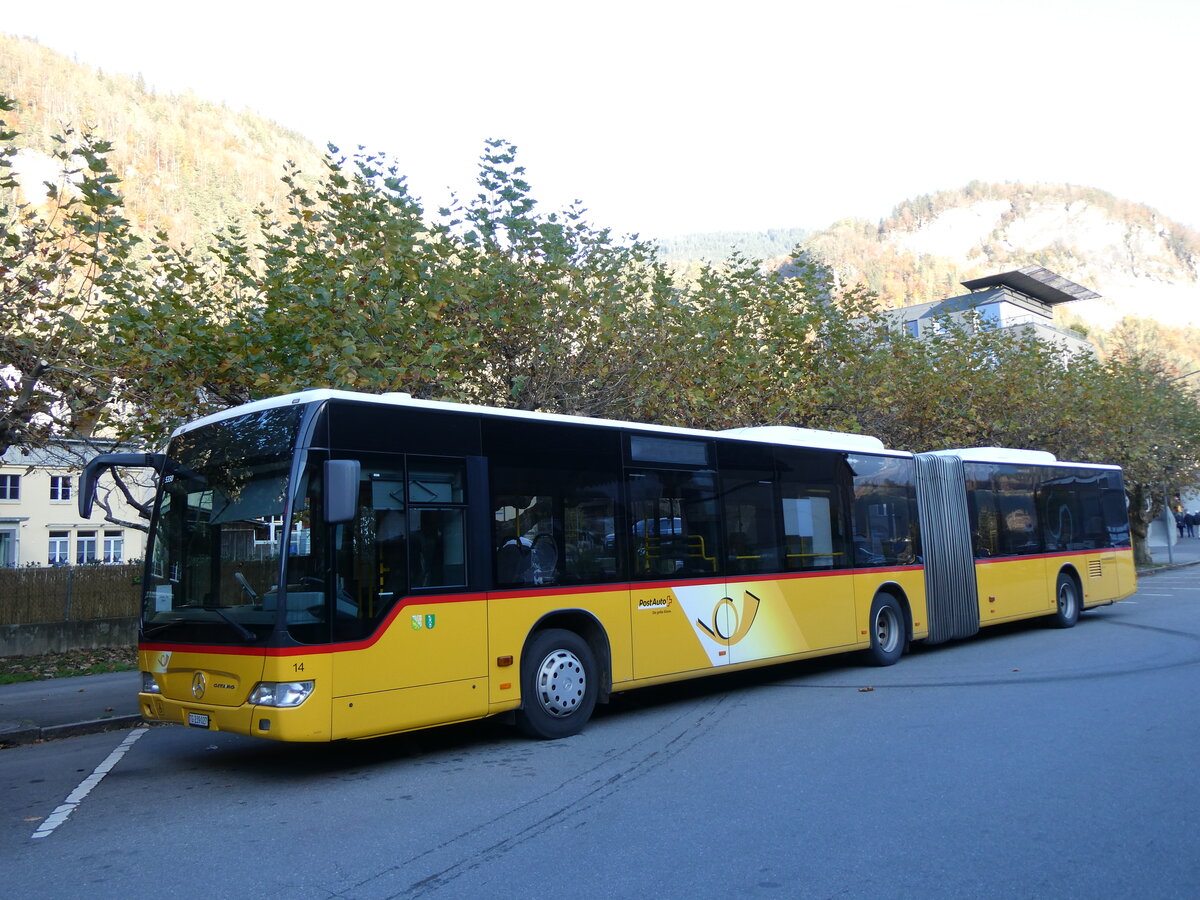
666,118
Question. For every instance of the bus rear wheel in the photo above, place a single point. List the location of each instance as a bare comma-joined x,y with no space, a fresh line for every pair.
888,633
1066,602
558,685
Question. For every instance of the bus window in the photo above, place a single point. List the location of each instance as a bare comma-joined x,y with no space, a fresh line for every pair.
1061,514
810,491
675,525
525,530
885,532
1002,502
981,509
750,530
437,548
752,544
1016,512
554,498
1071,511
1115,509
409,535
370,556
557,531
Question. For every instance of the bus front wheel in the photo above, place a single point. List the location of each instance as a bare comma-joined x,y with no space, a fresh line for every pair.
888,632
1066,602
558,684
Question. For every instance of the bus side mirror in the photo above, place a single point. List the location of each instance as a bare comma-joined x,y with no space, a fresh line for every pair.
341,490
91,474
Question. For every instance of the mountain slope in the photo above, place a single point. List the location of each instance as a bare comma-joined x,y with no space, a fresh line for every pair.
1142,263
186,165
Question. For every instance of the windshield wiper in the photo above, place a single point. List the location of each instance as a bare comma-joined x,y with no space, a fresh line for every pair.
149,632
243,632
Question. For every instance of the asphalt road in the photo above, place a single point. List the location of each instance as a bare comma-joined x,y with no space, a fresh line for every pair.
1027,762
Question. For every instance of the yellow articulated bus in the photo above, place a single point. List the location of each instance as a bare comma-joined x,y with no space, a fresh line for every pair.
329,565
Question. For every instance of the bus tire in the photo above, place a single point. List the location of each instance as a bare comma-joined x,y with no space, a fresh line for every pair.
559,684
1066,602
888,631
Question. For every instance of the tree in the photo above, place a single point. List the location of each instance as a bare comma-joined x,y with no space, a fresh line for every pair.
553,313
354,287
346,289
1136,411
63,265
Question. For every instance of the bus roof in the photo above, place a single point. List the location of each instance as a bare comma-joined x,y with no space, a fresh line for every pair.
770,434
1014,456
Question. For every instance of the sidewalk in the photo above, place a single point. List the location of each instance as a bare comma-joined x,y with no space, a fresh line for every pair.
64,707
1186,552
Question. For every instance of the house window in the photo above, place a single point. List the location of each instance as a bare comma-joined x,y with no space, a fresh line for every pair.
60,487
85,547
10,487
8,547
114,547
60,548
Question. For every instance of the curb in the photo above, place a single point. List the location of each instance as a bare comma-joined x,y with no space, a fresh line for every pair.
1167,567
32,734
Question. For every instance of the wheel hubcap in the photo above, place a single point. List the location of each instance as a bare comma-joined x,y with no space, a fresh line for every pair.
885,629
561,682
1066,600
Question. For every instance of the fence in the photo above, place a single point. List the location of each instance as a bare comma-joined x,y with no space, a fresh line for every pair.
68,593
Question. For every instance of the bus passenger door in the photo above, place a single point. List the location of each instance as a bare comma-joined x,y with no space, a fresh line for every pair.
672,541
784,545
678,628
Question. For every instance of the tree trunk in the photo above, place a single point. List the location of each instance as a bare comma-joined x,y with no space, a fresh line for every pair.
1143,509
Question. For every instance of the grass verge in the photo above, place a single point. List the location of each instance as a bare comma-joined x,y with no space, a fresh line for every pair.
14,669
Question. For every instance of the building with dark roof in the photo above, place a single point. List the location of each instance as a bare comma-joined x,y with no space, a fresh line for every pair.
1022,300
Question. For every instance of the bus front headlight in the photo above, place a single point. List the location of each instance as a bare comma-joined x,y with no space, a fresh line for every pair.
280,693
149,685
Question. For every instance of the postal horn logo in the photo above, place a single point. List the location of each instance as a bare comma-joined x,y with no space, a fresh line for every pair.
728,626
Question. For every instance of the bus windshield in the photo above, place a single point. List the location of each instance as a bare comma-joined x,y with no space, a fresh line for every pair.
219,533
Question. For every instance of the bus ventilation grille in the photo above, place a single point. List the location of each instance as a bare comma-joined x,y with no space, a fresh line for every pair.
1095,570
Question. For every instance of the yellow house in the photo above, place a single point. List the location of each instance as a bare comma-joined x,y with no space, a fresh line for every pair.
40,523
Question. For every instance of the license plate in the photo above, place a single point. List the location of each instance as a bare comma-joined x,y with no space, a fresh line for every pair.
200,720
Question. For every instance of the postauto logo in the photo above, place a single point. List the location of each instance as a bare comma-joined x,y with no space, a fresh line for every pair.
726,625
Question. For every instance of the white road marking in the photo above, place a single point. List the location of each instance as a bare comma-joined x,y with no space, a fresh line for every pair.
76,796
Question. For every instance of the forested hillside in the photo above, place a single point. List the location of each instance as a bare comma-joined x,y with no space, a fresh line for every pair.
1141,262
186,165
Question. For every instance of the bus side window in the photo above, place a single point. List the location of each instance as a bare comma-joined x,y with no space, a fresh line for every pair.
437,546
553,499
750,530
885,531
981,508
675,523
811,483
371,567
1115,511
1017,517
